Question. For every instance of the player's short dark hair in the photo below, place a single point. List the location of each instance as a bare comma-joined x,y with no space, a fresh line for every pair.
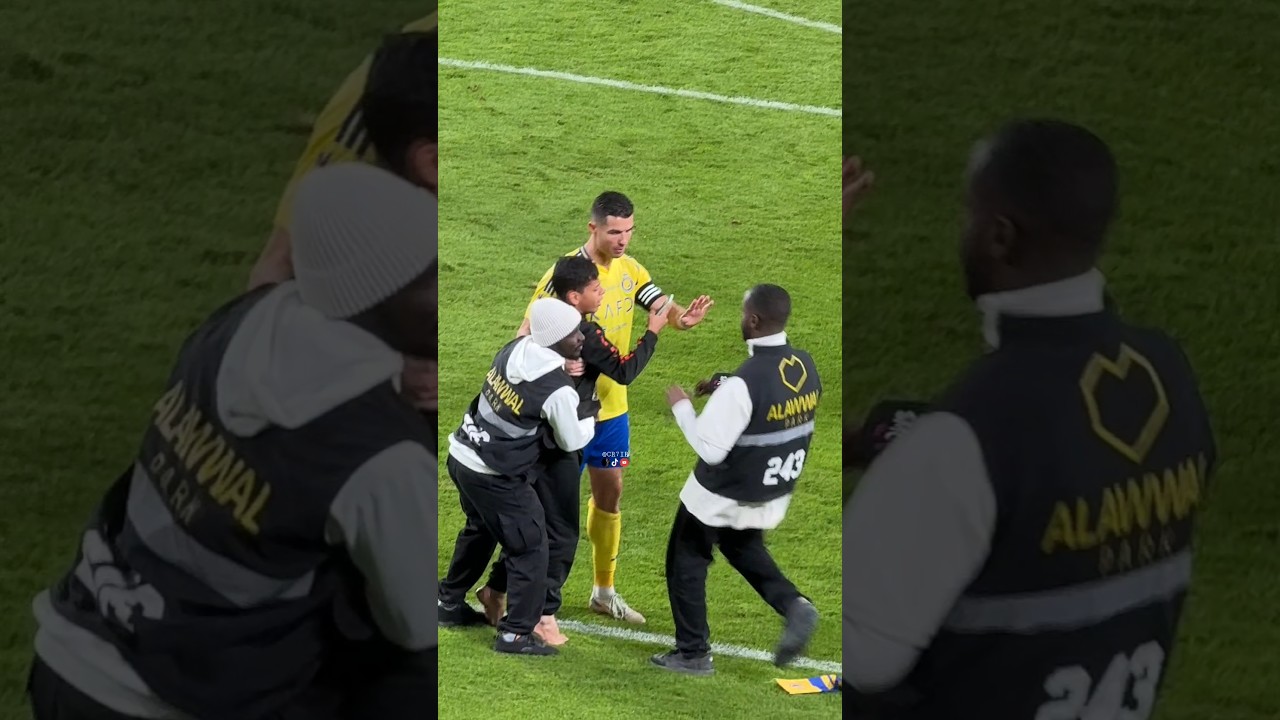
572,273
398,106
1057,177
771,304
611,204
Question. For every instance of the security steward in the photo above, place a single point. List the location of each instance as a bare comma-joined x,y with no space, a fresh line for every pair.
268,521
1024,549
576,280
752,440
527,400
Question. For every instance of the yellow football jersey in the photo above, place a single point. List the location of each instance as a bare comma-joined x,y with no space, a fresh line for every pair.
626,285
337,135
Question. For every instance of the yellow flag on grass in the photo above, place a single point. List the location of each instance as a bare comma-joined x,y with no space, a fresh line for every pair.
810,686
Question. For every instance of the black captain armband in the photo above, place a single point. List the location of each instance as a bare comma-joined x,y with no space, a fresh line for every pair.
886,421
647,294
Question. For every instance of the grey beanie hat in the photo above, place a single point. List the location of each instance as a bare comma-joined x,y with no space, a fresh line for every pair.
360,235
552,320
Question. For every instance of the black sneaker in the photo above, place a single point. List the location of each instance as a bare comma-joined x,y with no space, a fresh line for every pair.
460,615
675,661
522,645
801,622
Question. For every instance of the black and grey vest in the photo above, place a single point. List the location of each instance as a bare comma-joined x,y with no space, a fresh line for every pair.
504,423
1099,448
207,564
768,458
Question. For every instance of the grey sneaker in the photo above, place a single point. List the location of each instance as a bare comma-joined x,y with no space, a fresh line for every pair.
676,662
460,615
801,622
513,644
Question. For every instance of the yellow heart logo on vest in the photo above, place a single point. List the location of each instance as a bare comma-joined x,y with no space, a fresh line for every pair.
1120,369
786,365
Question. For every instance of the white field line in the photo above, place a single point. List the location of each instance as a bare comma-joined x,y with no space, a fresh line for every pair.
737,651
656,89
768,12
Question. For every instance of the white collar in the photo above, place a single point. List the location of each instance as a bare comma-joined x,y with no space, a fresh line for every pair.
773,340
1078,295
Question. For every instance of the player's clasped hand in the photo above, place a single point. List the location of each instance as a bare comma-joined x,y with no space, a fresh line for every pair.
575,368
675,394
696,312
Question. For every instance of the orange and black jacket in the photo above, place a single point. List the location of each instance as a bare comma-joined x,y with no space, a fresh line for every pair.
602,357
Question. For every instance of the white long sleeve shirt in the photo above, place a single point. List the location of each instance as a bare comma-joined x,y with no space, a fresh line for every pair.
712,435
918,527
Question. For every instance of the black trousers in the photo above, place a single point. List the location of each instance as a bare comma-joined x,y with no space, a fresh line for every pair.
507,512
382,682
53,698
689,555
379,685
558,486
